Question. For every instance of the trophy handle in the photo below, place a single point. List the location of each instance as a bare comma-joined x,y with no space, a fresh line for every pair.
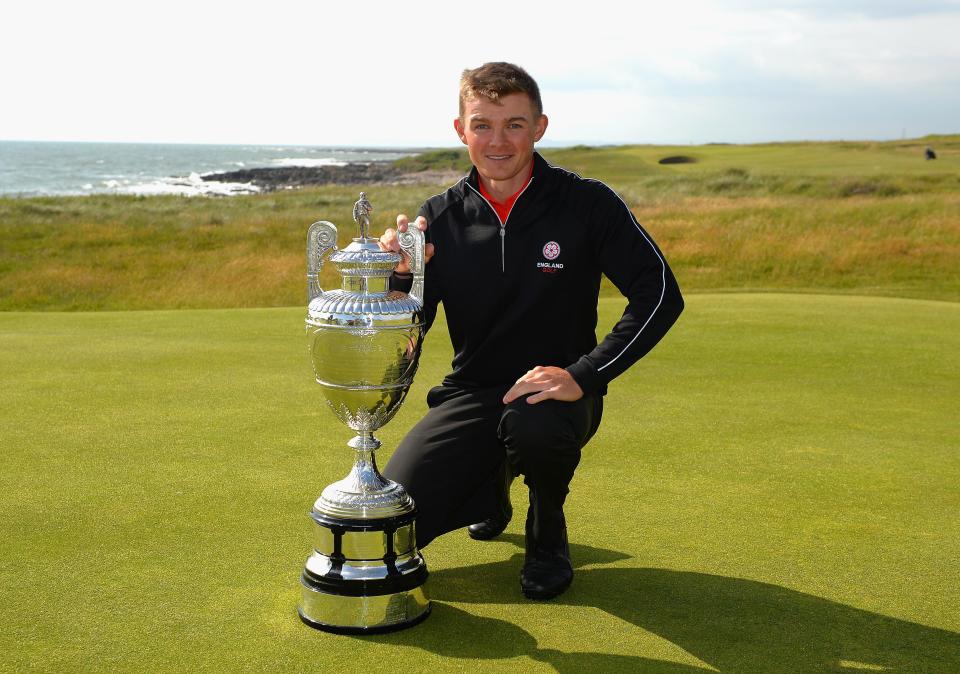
321,237
412,244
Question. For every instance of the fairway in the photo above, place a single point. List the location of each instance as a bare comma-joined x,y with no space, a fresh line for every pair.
774,489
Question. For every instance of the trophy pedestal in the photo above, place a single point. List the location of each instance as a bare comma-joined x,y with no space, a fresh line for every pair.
364,576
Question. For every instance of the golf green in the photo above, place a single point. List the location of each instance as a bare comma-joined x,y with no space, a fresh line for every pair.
774,489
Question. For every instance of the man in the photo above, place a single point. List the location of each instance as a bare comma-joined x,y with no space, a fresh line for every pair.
520,248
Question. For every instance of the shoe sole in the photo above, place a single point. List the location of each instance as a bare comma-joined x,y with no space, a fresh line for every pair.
546,594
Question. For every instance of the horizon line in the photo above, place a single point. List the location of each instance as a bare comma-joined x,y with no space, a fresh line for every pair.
558,144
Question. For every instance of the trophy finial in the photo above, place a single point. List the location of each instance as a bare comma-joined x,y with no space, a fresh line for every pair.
361,214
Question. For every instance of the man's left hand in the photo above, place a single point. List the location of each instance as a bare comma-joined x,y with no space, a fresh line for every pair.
545,383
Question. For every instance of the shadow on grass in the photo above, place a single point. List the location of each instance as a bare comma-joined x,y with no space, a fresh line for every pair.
732,624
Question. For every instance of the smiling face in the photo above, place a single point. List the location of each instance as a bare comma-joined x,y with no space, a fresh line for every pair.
499,137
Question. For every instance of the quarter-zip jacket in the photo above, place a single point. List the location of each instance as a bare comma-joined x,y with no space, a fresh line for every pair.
524,292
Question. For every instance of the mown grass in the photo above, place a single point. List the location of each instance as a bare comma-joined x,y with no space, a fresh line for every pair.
773,490
871,218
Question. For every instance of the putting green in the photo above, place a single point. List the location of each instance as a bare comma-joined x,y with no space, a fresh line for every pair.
774,489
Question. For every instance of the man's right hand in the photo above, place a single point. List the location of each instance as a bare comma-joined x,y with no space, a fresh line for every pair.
389,241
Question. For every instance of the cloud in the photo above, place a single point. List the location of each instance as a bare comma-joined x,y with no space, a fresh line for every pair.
886,9
304,72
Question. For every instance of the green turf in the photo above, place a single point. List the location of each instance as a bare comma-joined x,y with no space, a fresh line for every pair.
774,489
821,158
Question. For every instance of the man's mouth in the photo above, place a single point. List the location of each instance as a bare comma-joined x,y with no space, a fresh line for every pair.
498,157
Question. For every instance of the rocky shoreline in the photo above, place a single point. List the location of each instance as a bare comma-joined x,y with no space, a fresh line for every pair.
288,177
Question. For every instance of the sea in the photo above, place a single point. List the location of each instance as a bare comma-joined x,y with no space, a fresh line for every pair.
30,168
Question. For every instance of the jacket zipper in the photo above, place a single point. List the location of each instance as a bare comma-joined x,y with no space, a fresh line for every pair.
503,223
503,247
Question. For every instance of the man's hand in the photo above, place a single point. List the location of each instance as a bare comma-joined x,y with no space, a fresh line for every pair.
389,241
550,382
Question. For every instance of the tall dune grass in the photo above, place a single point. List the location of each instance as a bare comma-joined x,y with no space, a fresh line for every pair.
869,218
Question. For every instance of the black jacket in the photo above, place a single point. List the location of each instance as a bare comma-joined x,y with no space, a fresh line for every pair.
524,293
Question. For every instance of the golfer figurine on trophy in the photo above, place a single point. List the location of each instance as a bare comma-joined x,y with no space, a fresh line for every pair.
365,573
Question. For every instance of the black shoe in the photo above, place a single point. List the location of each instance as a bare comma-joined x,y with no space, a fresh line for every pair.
490,527
547,571
546,576
495,525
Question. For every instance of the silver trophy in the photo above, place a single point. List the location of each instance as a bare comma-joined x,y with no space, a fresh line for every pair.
365,573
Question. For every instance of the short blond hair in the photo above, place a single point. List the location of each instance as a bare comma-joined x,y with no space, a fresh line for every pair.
495,80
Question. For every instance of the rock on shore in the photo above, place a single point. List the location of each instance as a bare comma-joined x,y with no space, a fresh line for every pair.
281,177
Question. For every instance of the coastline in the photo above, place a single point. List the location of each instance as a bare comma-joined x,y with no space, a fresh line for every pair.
53,169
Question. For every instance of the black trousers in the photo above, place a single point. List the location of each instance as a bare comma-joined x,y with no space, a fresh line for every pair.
451,462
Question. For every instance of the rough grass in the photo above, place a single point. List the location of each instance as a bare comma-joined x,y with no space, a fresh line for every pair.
867,218
773,490
120,252
905,246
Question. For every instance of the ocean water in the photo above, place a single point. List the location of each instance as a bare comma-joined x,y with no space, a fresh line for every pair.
56,168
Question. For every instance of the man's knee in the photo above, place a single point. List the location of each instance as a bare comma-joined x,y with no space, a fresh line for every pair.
543,432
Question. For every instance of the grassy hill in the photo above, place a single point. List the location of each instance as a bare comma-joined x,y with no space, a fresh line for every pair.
864,218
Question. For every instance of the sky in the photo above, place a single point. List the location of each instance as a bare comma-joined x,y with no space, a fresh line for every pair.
385,74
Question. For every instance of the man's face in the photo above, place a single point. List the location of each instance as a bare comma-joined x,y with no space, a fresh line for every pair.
500,136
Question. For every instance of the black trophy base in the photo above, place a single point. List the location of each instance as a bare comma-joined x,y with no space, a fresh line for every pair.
364,576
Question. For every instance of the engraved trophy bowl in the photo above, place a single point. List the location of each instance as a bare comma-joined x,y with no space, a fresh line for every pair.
365,573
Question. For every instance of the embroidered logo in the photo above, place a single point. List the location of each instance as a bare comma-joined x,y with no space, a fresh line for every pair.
551,251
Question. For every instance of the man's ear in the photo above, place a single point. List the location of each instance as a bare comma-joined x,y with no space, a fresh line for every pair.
458,125
541,128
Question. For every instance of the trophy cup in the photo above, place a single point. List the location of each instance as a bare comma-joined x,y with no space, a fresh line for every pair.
365,573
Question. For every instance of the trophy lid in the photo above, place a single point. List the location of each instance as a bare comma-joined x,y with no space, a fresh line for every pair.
363,257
